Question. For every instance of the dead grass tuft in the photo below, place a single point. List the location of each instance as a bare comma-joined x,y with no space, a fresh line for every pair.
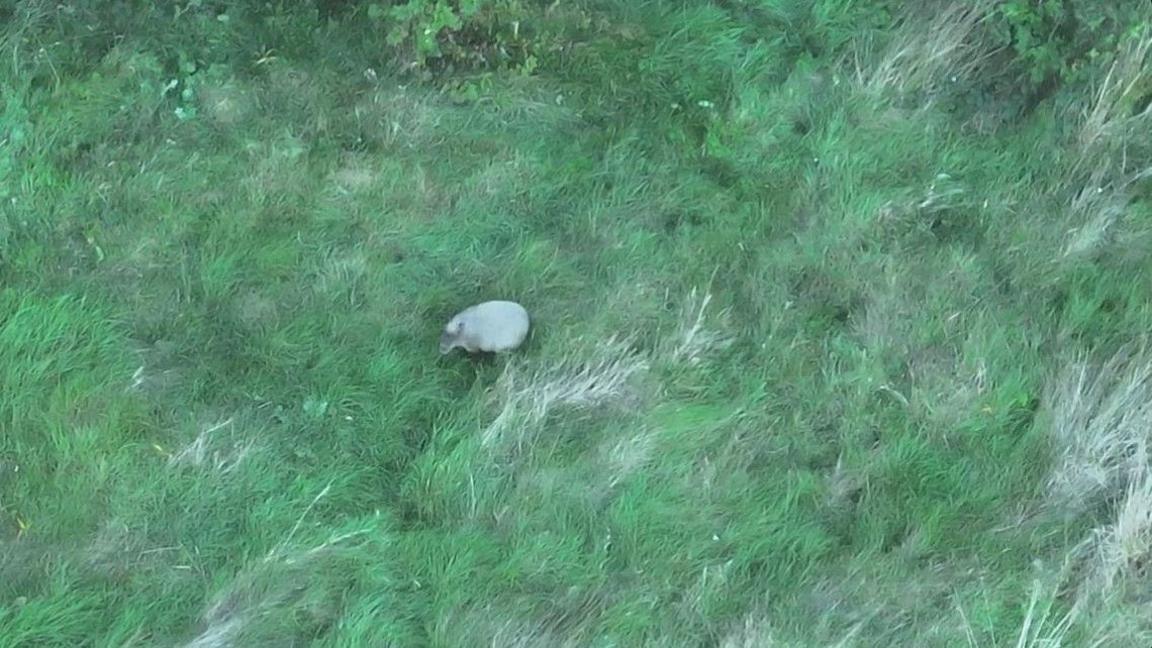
216,448
922,211
1101,424
844,486
300,95
255,310
227,103
341,270
116,551
487,625
1121,550
1103,167
592,375
1097,211
279,170
626,456
402,117
278,584
505,176
752,632
219,635
1041,626
694,339
927,53
1111,120
356,173
596,373
756,631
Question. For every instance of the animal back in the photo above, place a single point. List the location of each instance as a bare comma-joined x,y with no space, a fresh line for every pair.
498,325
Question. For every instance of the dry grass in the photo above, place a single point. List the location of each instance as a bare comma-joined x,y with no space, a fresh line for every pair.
1039,628
1097,210
916,212
1122,549
696,337
341,270
487,625
757,632
1102,166
1110,120
116,550
1101,422
239,614
279,170
504,176
753,632
594,373
217,448
356,174
927,53
625,457
218,635
228,103
1043,625
403,117
591,375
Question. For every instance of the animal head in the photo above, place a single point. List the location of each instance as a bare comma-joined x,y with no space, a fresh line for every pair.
450,338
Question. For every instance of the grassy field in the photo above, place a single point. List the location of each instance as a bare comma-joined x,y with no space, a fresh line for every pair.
841,314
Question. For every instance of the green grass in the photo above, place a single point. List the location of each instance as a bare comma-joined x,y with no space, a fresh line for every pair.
804,368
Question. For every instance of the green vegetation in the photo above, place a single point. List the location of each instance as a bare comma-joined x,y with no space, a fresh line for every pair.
841,313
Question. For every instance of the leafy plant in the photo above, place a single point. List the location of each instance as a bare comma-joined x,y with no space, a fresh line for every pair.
1053,41
1041,34
459,33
